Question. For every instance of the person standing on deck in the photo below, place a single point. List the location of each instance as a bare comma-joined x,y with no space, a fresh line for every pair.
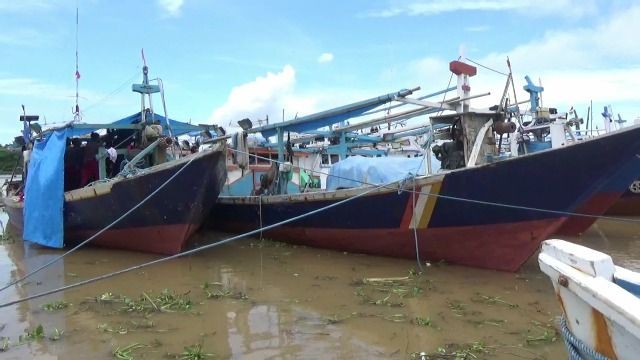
74,159
90,163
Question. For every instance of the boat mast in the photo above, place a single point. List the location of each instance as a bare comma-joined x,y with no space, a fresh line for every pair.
145,89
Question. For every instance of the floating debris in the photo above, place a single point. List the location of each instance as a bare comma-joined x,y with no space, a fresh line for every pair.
126,353
424,322
218,291
458,308
456,351
195,352
32,335
4,346
55,306
56,335
492,300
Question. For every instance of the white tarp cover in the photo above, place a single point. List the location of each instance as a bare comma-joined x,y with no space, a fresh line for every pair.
372,170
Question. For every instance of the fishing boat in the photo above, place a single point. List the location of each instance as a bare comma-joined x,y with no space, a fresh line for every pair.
477,212
547,128
145,196
629,202
600,301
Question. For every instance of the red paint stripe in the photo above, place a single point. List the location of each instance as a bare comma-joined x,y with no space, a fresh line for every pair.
597,205
500,246
408,213
162,239
625,206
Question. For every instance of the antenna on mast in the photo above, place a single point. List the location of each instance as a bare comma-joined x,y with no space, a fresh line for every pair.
76,110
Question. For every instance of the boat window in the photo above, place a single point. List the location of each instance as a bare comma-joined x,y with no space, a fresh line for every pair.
329,159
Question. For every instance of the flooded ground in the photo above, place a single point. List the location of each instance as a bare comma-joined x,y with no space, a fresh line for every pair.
256,300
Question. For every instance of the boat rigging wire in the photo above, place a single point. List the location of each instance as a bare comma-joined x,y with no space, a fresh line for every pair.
188,252
117,90
444,96
486,67
481,202
58,258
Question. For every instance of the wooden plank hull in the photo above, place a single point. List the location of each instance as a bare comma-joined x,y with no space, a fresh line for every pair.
161,225
597,298
473,231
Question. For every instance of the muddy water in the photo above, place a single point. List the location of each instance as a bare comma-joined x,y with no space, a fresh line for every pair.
268,300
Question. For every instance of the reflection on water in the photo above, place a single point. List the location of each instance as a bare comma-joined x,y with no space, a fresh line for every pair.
276,301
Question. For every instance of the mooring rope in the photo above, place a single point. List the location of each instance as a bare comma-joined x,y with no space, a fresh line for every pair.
261,241
576,347
188,252
481,202
56,259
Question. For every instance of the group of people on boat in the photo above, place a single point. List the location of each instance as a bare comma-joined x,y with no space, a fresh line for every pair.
81,164
81,160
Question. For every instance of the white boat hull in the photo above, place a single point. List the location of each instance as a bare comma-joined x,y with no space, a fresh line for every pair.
598,311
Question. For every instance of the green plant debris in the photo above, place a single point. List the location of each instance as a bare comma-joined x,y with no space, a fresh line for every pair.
336,319
269,243
126,353
424,322
218,291
469,351
492,300
395,290
547,336
414,273
195,352
108,298
458,308
32,335
166,301
55,335
129,326
120,329
4,344
55,306
490,322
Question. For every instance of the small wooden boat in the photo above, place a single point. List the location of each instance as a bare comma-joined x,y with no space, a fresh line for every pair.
163,197
600,301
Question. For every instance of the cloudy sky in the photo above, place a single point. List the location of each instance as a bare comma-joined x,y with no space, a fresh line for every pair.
221,62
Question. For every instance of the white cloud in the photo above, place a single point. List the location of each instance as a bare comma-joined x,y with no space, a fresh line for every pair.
576,8
325,58
26,5
265,96
25,37
172,7
479,28
600,63
25,87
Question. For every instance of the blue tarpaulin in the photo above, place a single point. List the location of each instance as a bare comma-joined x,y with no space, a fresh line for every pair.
44,191
178,127
378,170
